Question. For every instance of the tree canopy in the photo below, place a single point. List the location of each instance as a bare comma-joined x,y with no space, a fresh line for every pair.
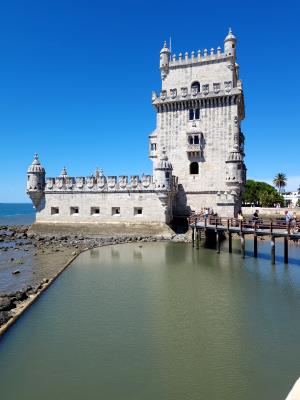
261,194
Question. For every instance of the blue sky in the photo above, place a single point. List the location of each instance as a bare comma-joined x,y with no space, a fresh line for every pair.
76,80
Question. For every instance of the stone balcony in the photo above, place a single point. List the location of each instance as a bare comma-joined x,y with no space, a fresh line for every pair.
194,148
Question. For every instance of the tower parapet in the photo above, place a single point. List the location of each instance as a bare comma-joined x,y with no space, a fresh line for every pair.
161,181
207,56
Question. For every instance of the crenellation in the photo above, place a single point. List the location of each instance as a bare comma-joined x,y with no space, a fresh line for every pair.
212,57
211,91
100,184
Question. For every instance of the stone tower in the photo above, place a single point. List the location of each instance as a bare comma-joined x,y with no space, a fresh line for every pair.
199,113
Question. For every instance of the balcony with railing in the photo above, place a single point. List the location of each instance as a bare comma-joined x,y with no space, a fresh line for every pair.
194,148
194,144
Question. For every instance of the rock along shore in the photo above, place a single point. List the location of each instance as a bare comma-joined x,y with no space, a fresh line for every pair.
31,260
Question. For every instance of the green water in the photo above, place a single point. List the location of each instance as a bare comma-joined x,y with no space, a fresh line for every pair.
162,321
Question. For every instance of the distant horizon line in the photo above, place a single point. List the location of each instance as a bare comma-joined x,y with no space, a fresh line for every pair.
15,202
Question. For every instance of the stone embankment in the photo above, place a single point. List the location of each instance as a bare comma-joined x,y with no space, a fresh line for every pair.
31,261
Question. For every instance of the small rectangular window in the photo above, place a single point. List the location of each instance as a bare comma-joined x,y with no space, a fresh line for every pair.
197,113
115,211
191,114
74,210
138,211
95,210
205,89
153,146
54,210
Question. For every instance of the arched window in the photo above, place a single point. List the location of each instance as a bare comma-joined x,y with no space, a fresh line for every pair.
190,139
194,168
196,139
195,87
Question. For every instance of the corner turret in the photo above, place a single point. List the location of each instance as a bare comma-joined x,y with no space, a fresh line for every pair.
230,44
235,167
164,61
163,173
36,181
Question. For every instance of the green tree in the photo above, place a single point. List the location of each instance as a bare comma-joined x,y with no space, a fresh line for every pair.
280,181
261,194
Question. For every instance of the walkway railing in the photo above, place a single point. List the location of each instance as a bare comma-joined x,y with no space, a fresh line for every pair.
275,228
263,224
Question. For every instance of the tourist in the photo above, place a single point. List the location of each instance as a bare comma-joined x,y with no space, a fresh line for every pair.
288,220
255,219
240,216
291,221
206,213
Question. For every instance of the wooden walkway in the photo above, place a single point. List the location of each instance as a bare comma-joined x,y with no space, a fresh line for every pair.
271,228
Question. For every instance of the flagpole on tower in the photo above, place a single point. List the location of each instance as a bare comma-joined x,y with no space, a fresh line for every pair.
170,45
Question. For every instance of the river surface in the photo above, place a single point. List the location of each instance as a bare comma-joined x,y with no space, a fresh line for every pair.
159,321
17,214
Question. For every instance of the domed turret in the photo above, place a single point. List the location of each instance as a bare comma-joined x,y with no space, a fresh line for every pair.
235,168
163,172
230,44
235,154
63,173
164,61
36,181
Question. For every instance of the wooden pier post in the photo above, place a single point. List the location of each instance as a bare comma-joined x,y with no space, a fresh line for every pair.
242,244
230,242
273,249
193,236
242,240
217,241
286,250
255,245
197,239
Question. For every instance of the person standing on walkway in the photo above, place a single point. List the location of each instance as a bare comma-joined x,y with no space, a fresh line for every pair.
255,218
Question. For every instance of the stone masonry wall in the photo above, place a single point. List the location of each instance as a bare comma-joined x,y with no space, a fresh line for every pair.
153,209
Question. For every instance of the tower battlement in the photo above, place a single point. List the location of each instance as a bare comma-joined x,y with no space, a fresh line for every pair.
205,57
103,183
